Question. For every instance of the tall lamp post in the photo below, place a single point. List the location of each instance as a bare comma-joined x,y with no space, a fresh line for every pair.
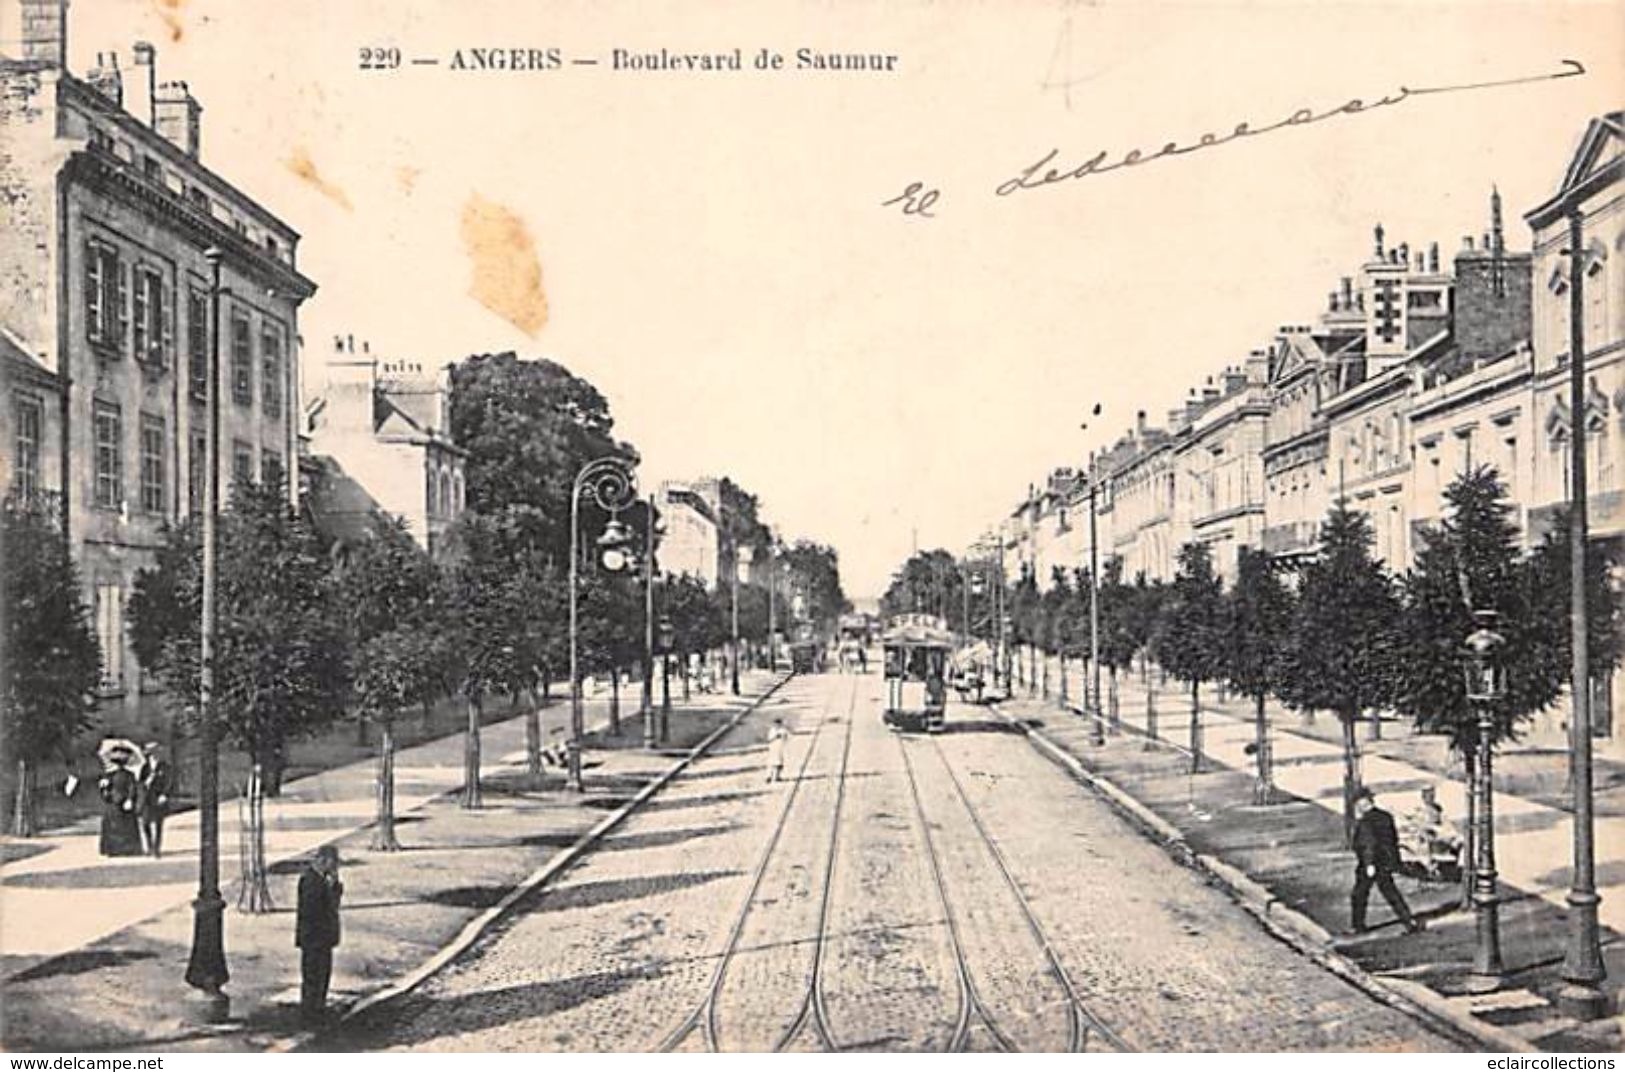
772,609
739,557
1583,968
1486,686
206,969
1098,732
667,638
650,531
609,483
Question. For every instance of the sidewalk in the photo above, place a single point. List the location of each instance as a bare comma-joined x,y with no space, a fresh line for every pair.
95,949
1288,864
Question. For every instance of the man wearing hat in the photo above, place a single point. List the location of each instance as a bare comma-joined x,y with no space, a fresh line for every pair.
316,930
1376,853
156,785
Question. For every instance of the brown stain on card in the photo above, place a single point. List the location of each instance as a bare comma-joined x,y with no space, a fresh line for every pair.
304,167
170,12
507,274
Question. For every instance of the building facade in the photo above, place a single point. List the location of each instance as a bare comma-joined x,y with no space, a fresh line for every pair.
692,543
380,440
111,228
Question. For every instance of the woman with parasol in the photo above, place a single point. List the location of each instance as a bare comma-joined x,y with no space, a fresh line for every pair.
120,787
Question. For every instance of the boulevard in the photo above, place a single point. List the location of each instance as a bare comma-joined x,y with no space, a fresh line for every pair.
894,892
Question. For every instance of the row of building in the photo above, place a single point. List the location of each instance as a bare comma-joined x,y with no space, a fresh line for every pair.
122,256
1418,367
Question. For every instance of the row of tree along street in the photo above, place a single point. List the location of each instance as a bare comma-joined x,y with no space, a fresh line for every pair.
1336,633
313,627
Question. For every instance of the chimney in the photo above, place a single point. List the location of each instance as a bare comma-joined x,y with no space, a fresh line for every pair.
1346,284
106,79
1331,301
1402,255
1467,243
143,82
176,116
1433,258
43,31
1257,371
1377,233
1235,379
1176,417
1421,264
1141,426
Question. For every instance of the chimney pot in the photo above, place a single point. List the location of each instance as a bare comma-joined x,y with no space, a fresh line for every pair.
1467,243
1433,257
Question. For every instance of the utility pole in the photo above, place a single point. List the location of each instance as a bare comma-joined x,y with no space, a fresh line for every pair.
1098,732
649,627
1583,968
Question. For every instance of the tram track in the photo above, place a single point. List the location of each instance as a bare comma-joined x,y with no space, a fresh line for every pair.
705,1016
1083,1024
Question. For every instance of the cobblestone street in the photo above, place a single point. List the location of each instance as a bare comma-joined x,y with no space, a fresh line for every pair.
892,892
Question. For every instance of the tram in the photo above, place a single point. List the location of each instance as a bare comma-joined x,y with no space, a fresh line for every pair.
917,647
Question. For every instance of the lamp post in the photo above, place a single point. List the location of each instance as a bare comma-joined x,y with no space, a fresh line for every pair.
772,610
1583,970
649,734
609,483
206,969
1098,731
667,635
1486,687
739,557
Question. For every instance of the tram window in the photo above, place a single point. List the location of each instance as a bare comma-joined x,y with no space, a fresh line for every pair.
894,663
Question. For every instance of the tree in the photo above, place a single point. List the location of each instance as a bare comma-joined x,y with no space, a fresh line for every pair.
386,587
51,662
528,426
281,668
1122,628
928,583
1059,636
1258,618
1147,618
1025,611
1605,609
1341,653
814,571
1193,640
696,619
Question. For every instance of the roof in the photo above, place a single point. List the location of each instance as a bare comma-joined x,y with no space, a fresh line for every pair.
1591,167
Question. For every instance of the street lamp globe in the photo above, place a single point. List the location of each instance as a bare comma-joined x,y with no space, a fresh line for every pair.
1482,661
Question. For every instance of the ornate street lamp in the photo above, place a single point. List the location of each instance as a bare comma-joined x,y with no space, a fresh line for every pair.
610,483
1484,667
668,639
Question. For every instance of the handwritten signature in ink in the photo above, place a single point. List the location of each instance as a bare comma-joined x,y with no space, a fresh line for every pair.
1045,172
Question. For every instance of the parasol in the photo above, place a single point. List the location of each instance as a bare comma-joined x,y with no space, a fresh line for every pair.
120,752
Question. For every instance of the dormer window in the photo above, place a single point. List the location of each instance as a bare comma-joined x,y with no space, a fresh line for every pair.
151,169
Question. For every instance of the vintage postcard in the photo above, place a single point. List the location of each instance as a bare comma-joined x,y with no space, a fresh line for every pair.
789,526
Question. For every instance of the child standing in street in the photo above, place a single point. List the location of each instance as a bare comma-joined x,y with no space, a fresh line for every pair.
775,750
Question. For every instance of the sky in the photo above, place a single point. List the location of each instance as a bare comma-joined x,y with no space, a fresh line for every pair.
712,249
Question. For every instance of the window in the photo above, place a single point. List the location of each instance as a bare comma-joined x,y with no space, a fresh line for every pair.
104,297
198,196
197,342
153,477
197,473
242,462
431,488
271,369
110,634
109,457
151,169
242,361
151,318
29,413
271,471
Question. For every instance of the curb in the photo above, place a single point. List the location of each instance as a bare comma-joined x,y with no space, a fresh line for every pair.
559,862
1287,924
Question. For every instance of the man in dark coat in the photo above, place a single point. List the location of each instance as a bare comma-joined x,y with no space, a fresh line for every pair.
317,930
156,785
1376,853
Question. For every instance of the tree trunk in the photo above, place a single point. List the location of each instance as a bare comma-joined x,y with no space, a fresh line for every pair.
471,797
1063,693
615,701
1373,730
1264,788
360,732
1196,727
255,894
1150,714
1351,773
275,766
684,675
383,835
547,683
24,818
428,715
1114,711
533,737
1043,688
172,743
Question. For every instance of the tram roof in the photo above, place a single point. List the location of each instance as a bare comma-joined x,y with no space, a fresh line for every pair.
914,635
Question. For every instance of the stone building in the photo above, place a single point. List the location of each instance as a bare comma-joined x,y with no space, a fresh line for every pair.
692,543
380,441
106,217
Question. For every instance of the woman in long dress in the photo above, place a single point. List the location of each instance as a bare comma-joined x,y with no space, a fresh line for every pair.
121,828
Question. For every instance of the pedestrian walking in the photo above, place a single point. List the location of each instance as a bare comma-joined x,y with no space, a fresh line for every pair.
120,789
1376,853
775,750
157,782
316,930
